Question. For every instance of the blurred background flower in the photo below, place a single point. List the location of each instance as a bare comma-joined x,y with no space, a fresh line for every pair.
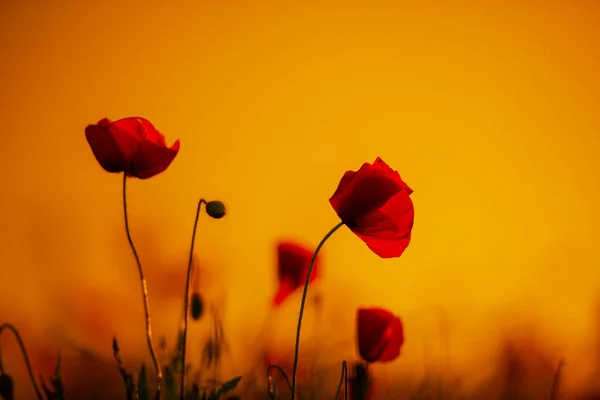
293,262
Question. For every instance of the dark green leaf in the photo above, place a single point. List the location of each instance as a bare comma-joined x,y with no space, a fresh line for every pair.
228,386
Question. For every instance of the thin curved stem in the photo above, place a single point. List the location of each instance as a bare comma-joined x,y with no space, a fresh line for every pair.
556,381
282,372
15,332
159,375
186,301
344,381
312,264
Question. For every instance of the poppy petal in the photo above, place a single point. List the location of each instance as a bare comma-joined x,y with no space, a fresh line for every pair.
364,191
105,148
394,337
342,190
150,133
128,133
134,126
387,231
293,262
152,158
379,334
104,122
141,129
286,288
372,324
384,167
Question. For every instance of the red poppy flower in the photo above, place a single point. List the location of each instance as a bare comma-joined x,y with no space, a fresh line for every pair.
130,145
380,335
374,202
292,267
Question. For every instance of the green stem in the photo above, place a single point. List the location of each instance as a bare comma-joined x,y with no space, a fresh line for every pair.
282,372
159,375
312,263
344,381
15,332
556,381
124,374
186,301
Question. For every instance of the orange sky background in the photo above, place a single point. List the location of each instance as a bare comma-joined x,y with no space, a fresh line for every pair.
490,112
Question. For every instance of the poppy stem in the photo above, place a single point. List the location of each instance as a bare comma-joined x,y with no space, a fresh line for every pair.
304,293
556,381
345,367
186,301
343,381
270,378
15,332
159,375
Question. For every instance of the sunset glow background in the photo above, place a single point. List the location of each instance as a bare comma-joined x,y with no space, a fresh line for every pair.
490,112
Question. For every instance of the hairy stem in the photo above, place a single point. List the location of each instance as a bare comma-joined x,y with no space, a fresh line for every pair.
556,381
15,332
282,372
186,301
159,375
343,381
124,374
304,293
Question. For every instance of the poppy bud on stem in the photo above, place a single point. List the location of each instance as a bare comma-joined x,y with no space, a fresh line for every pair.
197,307
214,209
159,375
304,293
15,332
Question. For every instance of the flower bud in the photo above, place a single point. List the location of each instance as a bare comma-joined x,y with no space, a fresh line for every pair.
215,209
6,387
197,306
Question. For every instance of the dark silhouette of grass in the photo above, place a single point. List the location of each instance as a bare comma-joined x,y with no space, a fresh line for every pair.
512,381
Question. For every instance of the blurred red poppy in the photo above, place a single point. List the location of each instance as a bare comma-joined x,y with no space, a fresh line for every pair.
293,262
374,202
380,335
130,145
